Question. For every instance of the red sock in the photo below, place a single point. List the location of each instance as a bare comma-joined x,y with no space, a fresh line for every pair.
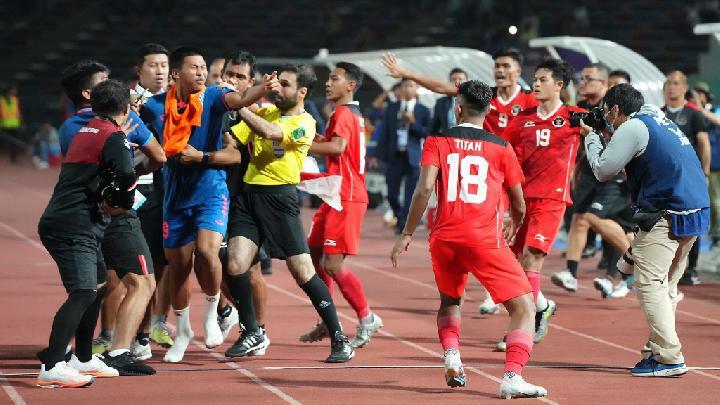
449,331
518,349
351,289
328,280
534,279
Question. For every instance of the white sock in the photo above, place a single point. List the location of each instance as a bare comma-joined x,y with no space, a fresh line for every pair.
184,335
489,300
117,352
541,303
182,319
213,334
156,319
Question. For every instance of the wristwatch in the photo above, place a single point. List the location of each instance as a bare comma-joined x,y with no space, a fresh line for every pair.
205,158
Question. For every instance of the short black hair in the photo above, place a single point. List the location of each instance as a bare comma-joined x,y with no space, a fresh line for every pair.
601,67
241,58
149,49
457,70
178,55
352,72
621,73
305,75
626,97
110,97
560,69
510,52
475,96
78,76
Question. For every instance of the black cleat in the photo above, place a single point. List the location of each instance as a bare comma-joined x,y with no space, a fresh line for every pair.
126,365
248,343
340,349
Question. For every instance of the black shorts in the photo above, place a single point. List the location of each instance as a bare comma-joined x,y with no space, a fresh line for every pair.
151,220
124,246
79,259
609,200
270,217
584,191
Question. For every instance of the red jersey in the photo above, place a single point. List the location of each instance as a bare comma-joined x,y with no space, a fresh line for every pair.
474,166
503,111
347,122
547,148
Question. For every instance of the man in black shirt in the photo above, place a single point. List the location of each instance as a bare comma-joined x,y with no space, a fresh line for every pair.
97,179
694,125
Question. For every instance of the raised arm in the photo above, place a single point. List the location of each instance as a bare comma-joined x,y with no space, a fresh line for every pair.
235,101
392,64
260,126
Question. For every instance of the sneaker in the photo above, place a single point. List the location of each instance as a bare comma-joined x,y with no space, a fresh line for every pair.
160,334
454,371
340,349
140,351
604,286
565,280
649,367
316,334
126,365
227,322
514,386
542,321
101,344
501,346
588,252
94,367
620,290
489,307
63,376
365,332
248,343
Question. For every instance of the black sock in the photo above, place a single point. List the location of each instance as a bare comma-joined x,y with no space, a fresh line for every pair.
65,324
143,338
319,295
241,292
225,311
613,256
572,266
86,328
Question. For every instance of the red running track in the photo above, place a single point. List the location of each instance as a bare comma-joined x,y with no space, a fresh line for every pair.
584,358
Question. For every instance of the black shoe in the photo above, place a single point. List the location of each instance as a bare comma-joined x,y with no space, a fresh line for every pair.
588,252
42,355
690,278
126,364
340,349
266,266
248,342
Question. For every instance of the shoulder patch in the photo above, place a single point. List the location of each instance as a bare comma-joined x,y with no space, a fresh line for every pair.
298,133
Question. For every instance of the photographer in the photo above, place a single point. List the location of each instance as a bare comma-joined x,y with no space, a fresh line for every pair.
668,187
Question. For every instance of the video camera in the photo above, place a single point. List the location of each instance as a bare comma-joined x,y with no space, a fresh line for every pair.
595,118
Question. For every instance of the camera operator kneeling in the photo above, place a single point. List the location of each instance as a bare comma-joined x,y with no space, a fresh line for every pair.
668,188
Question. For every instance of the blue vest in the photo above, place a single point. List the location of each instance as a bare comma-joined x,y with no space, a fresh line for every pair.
667,176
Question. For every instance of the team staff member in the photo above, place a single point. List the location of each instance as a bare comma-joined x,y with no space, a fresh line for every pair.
669,188
97,178
195,205
268,210
336,234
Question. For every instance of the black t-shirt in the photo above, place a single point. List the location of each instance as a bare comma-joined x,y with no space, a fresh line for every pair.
235,173
690,121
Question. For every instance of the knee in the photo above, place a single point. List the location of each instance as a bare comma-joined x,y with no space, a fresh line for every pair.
522,306
207,254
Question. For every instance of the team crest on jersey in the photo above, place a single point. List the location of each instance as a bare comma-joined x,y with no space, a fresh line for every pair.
558,122
516,109
298,133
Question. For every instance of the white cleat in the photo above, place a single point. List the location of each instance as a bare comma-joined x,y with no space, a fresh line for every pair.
227,322
140,352
63,376
488,307
454,371
514,386
366,331
620,290
565,279
95,367
176,353
604,286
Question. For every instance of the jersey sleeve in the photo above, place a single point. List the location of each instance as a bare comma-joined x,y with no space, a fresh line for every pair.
141,136
341,124
511,168
219,93
430,153
297,133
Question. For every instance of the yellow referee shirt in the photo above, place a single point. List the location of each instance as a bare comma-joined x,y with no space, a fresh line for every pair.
275,163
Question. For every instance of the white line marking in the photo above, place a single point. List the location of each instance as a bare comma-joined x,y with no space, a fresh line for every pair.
22,236
397,338
10,391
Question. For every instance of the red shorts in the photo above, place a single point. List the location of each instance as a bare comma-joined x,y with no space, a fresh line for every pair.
543,218
496,268
338,232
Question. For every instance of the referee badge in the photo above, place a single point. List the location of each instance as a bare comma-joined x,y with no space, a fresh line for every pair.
298,133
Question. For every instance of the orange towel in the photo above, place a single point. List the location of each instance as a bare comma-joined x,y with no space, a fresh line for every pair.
178,127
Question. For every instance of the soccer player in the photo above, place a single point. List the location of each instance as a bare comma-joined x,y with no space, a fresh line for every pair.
268,210
546,146
469,168
96,179
336,234
195,207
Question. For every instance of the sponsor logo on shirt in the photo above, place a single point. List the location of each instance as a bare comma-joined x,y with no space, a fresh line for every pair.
219,222
529,124
542,238
596,206
90,130
330,242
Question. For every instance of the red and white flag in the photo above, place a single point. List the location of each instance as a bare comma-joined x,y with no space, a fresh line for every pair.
323,185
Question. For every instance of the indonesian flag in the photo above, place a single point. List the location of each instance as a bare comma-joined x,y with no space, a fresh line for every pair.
326,186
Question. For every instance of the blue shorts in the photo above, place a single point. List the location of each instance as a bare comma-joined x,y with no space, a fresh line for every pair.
180,227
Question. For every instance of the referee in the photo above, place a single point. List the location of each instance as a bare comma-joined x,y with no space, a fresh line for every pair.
268,210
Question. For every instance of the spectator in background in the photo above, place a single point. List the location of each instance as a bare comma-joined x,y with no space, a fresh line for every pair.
618,76
11,120
444,111
694,125
703,97
45,141
215,72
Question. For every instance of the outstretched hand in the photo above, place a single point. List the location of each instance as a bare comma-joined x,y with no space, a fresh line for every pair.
392,64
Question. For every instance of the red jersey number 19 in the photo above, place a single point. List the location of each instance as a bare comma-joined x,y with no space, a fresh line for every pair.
543,137
461,169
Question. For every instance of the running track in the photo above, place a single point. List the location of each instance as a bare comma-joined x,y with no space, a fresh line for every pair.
584,358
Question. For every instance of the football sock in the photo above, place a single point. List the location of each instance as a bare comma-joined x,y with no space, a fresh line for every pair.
518,349
534,279
449,331
324,276
320,297
351,289
572,266
241,291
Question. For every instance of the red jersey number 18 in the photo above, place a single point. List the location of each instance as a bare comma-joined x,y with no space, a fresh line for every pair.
461,169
